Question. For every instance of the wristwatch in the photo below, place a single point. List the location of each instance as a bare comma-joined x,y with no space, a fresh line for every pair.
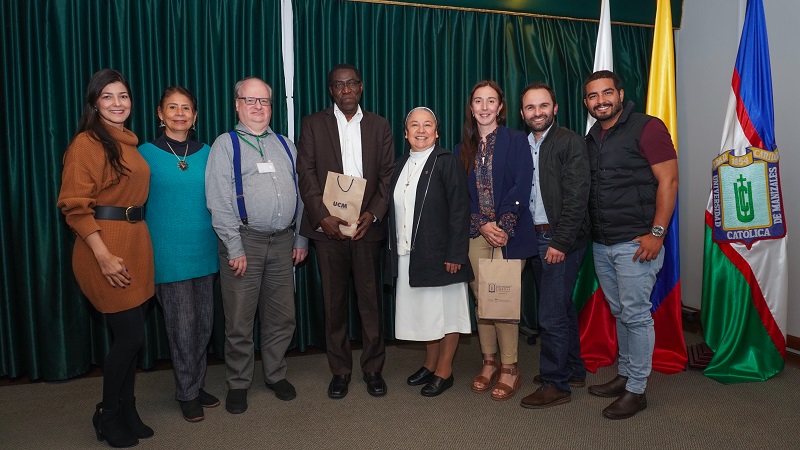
657,230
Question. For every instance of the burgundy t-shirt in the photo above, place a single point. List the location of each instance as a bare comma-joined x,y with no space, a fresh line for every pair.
655,143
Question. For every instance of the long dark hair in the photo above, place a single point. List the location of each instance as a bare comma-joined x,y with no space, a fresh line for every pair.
470,137
90,119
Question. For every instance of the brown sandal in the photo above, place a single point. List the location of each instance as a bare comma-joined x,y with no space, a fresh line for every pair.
508,391
487,382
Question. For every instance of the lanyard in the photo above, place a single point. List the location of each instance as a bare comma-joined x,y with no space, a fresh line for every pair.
258,148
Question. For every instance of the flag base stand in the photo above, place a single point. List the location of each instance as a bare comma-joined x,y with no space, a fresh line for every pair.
699,355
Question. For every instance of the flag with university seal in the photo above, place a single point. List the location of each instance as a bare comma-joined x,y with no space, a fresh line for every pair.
744,298
597,325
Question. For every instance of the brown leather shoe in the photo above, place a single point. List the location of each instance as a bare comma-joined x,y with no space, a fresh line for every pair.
546,396
573,382
626,406
613,388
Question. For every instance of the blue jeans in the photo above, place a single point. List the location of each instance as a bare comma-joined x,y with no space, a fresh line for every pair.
627,285
560,357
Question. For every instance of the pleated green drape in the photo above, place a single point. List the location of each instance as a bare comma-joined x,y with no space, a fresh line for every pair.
409,56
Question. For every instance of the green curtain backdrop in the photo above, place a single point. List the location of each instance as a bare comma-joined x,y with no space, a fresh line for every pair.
409,56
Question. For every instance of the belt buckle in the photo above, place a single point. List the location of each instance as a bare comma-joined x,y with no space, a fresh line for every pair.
128,217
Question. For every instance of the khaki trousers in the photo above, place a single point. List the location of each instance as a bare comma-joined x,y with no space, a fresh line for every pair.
490,332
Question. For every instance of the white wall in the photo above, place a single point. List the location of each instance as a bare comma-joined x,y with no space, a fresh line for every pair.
706,47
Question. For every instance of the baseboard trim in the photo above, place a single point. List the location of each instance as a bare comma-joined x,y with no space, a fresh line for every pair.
793,342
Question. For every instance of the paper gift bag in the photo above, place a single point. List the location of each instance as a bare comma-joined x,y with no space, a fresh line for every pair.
342,196
499,288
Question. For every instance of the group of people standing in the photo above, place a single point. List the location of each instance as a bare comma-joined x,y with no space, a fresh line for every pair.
247,206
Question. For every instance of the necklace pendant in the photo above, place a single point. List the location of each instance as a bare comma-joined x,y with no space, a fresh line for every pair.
183,165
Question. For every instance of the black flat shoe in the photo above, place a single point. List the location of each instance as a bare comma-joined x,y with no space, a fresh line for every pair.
192,410
376,386
236,401
283,390
420,377
207,400
436,386
338,386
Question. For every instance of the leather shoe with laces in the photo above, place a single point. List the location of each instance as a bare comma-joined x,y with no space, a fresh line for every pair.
573,381
436,386
546,396
338,386
627,405
613,388
376,387
283,390
420,377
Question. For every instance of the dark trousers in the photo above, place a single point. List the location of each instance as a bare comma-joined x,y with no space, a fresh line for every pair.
558,321
119,368
188,307
338,260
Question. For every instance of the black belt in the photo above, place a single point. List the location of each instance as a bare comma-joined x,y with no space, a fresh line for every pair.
131,214
267,234
542,227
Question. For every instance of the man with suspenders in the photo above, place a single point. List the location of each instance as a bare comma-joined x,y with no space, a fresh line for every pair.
251,191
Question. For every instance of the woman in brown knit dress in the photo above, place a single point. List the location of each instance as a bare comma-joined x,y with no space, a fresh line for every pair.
104,183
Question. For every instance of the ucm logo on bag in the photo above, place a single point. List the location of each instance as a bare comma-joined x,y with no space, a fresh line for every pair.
340,205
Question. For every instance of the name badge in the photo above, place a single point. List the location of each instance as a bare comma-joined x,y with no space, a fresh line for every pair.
266,167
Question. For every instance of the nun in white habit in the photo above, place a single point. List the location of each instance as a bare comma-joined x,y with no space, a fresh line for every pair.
429,247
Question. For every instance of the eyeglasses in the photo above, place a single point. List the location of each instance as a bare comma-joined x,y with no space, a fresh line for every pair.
339,85
252,100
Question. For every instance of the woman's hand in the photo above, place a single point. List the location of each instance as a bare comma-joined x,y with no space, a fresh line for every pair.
114,269
111,266
494,235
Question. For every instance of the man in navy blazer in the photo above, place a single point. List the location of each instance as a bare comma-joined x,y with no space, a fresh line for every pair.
346,139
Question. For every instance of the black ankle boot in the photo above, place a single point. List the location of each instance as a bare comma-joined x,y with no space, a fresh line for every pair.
96,420
109,426
131,418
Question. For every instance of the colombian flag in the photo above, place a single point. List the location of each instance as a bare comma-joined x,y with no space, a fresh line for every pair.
745,290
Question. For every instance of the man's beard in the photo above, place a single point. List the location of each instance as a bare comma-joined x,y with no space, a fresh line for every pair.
615,108
538,128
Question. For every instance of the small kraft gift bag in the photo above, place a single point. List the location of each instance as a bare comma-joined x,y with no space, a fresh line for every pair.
342,196
499,288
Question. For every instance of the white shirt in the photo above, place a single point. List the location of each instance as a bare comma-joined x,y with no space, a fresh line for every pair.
405,198
536,205
350,141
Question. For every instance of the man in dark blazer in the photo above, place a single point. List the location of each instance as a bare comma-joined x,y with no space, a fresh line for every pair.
345,139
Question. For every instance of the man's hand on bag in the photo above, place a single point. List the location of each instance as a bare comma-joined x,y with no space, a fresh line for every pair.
330,226
363,224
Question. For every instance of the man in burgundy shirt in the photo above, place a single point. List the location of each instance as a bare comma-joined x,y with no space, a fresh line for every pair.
634,184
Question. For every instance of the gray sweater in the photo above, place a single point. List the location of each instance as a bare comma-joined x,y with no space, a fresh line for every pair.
269,197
